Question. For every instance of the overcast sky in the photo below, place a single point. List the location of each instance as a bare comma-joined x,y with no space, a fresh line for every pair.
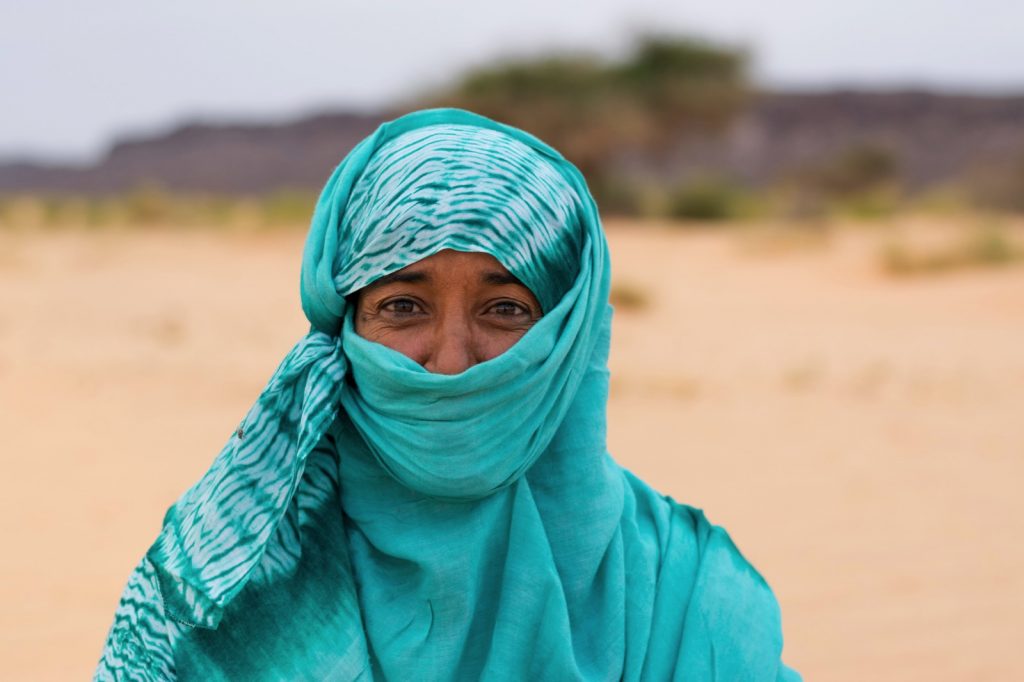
76,73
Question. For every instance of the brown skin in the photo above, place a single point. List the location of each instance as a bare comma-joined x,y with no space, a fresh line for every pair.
448,312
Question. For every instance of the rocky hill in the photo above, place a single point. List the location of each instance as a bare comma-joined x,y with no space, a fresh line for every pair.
932,137
208,158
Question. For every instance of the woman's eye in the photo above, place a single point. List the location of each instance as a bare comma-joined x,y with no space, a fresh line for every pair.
508,308
401,306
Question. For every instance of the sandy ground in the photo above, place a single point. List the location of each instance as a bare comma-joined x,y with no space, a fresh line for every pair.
861,437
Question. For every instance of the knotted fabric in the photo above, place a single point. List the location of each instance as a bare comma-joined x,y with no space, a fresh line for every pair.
371,520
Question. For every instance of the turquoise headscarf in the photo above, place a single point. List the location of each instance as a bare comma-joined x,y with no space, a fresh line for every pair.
371,520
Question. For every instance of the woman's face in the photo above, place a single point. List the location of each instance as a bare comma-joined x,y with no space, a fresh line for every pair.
448,311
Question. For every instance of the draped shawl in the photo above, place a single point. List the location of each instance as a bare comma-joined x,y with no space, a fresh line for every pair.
369,520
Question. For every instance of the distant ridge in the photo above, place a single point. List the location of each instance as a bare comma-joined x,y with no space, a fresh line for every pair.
218,158
935,137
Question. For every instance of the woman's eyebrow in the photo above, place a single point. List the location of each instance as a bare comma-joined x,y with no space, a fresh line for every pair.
402,277
498,277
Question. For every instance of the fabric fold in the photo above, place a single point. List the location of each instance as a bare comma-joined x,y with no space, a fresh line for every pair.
214,536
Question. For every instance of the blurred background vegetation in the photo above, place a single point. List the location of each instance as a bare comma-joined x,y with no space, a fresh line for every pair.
600,113
673,129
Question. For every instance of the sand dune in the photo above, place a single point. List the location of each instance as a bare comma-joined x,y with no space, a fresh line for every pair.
861,437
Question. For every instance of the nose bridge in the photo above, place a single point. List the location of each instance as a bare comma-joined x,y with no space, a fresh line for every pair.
452,348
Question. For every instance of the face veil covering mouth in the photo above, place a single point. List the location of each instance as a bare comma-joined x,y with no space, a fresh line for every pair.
371,520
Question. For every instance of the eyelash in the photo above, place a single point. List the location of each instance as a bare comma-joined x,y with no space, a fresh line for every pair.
521,309
388,306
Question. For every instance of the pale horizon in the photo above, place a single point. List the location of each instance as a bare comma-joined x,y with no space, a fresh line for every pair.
81,76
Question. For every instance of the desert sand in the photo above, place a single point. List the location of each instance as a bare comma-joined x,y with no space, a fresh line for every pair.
861,436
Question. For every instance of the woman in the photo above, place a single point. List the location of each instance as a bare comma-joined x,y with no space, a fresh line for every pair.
422,491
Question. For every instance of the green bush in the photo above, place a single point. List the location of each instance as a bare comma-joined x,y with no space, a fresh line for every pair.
595,111
287,207
148,204
862,181
984,247
706,198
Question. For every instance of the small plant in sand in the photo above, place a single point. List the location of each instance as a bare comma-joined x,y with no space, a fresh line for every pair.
626,296
986,246
706,198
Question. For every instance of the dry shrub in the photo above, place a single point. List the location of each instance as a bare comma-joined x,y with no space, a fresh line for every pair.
626,296
987,246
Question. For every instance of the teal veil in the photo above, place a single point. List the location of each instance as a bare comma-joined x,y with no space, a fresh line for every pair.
371,520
